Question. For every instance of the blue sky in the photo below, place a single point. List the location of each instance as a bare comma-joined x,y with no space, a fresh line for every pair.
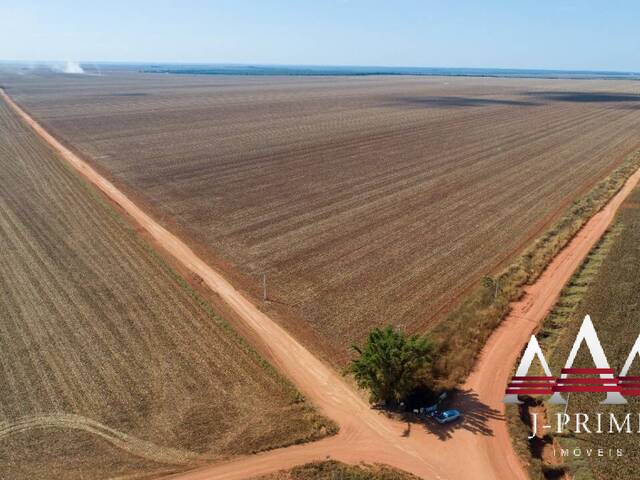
563,34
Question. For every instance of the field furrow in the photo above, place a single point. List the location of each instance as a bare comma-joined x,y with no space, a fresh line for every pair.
110,364
366,200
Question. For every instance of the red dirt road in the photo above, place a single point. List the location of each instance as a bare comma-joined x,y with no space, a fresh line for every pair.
478,447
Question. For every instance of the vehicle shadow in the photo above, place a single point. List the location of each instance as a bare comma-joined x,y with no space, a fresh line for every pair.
475,417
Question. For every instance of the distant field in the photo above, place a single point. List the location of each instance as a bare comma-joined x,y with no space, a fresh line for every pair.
109,364
367,200
332,470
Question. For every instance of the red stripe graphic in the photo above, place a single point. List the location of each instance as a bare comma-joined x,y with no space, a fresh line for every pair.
532,384
542,385
634,392
525,391
532,378
591,388
587,380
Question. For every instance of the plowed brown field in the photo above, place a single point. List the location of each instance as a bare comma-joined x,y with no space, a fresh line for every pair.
109,364
367,200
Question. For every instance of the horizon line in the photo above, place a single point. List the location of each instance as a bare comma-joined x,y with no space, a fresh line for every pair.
317,65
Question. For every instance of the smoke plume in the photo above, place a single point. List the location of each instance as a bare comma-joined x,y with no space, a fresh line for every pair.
72,67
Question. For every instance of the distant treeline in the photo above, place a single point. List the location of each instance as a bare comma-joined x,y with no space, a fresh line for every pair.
306,70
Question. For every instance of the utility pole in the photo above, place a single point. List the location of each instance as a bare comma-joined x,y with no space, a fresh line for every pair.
264,287
566,405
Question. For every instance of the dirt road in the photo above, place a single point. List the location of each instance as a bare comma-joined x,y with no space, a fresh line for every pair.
366,435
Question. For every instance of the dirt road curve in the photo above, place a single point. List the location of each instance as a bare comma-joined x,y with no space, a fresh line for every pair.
478,447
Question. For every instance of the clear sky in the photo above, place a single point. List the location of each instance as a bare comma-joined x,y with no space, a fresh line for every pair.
563,34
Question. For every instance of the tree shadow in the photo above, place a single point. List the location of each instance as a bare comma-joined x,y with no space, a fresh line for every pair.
129,94
475,416
453,102
529,99
585,97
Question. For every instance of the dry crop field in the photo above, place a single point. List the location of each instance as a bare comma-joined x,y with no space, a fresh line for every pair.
109,363
332,470
368,200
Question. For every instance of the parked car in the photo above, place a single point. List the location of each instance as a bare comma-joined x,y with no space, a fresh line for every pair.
447,416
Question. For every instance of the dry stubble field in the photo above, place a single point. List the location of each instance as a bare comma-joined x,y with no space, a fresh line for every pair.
109,363
332,470
368,200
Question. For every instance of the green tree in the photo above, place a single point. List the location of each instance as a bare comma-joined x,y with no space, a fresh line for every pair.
391,364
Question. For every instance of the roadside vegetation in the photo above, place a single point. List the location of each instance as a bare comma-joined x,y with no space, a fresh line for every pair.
459,338
332,470
606,287
110,365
